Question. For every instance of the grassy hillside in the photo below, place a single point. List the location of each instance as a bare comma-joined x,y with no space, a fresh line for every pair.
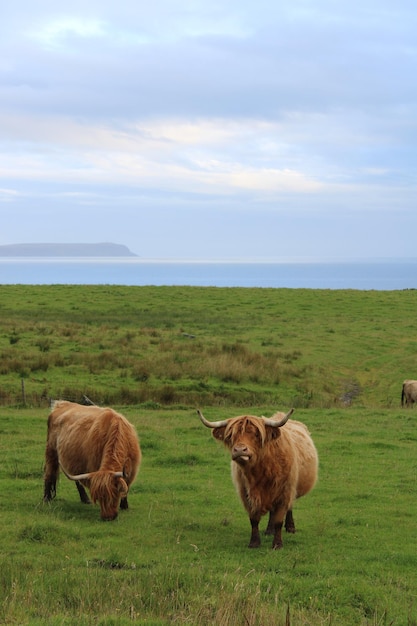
206,346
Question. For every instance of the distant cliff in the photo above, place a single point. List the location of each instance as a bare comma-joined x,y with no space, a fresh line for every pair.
65,250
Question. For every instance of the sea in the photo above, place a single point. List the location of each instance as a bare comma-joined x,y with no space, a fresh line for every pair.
370,274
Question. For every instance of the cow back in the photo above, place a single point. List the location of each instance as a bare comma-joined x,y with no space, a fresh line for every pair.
92,438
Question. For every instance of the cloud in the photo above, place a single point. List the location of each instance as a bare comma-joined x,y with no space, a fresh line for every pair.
7,195
280,109
63,30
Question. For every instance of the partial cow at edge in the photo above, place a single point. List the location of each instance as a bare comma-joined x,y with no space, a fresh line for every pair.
273,461
409,392
97,448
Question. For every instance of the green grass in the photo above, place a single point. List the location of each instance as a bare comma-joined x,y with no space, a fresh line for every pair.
179,554
193,346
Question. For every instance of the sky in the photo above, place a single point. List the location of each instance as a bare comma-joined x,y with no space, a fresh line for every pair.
211,129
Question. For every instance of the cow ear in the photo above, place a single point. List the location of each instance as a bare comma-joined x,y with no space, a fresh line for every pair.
122,487
272,433
218,433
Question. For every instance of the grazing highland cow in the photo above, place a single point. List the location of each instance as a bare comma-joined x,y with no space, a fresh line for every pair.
409,392
274,461
97,448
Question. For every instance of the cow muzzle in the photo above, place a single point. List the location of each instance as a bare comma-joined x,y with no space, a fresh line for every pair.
109,517
241,454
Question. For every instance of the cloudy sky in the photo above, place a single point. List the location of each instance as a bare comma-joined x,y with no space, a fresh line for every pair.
211,128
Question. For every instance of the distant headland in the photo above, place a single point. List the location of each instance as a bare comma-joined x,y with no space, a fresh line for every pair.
65,250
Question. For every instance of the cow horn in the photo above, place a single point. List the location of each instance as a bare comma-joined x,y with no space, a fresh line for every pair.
277,424
87,475
211,424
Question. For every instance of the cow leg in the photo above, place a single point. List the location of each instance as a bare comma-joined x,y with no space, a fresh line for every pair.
277,521
83,494
270,529
289,522
255,539
49,491
277,540
50,474
124,504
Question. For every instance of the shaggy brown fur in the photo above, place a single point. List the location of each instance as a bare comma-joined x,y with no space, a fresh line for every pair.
271,467
84,439
409,392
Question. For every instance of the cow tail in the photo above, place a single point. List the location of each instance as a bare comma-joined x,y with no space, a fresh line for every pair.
402,396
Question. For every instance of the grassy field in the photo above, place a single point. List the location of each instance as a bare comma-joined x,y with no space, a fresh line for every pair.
179,555
206,346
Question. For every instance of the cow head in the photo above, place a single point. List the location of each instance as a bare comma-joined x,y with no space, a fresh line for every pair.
106,487
246,435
